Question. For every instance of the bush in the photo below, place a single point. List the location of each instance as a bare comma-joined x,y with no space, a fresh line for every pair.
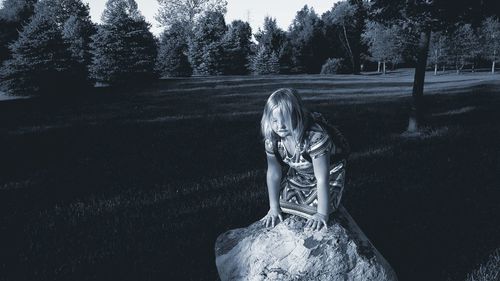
332,66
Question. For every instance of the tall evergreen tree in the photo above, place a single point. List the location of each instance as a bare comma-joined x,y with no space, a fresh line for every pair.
184,16
41,62
73,18
14,14
124,49
77,32
307,42
172,59
187,12
275,40
237,48
265,62
205,47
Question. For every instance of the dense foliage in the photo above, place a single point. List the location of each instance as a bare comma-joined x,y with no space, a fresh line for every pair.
124,50
273,40
197,41
205,47
14,14
307,41
172,60
237,48
41,62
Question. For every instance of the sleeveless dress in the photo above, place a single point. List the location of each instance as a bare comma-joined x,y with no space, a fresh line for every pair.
298,194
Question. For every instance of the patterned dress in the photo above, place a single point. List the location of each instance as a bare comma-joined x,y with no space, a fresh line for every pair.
298,194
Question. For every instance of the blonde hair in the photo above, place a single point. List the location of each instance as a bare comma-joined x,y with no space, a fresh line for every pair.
290,105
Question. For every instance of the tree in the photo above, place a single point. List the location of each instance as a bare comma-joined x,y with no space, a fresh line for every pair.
437,50
307,42
464,46
237,48
124,49
77,33
419,17
349,17
41,63
62,10
73,18
383,42
274,40
422,17
172,59
265,62
14,14
490,34
187,12
205,47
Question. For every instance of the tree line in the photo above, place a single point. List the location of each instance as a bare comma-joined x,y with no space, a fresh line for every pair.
52,46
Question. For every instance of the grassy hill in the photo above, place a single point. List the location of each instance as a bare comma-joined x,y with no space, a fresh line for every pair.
137,184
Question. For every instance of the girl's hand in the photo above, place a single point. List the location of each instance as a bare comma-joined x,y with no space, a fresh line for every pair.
317,221
271,219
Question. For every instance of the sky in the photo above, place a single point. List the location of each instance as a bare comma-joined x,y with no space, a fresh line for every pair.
252,11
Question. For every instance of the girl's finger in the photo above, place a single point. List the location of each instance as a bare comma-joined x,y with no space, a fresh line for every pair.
309,223
281,217
320,225
272,221
315,225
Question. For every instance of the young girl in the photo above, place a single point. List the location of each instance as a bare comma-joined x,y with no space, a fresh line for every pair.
313,184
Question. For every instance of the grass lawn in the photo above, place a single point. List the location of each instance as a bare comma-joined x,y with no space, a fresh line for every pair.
137,185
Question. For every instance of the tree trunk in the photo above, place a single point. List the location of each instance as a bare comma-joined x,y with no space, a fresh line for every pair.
378,67
383,66
349,50
493,63
416,114
435,63
359,19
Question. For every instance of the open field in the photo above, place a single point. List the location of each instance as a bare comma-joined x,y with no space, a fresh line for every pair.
136,185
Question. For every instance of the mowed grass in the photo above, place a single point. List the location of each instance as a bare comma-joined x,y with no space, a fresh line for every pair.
137,184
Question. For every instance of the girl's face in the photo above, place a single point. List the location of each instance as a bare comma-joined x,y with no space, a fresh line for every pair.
279,124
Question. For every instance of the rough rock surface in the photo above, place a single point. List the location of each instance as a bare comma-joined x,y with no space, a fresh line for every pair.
289,252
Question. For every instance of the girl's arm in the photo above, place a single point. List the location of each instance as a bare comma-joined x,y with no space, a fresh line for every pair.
273,179
321,172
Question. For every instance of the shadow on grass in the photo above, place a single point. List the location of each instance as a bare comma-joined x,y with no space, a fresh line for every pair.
90,191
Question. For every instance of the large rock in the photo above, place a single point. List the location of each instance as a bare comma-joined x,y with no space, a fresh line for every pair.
289,252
